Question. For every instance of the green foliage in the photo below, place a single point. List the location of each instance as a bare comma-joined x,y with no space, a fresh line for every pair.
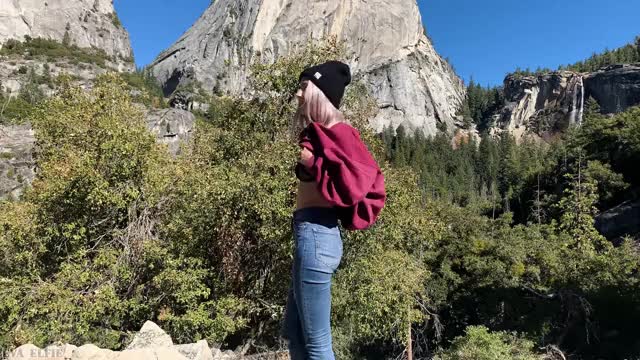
490,175
17,109
480,104
82,261
612,140
629,53
14,109
377,296
480,344
557,280
115,20
143,81
51,51
519,73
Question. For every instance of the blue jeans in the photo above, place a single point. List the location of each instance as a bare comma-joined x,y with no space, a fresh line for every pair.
318,250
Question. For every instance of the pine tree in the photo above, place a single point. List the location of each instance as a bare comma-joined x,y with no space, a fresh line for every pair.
66,40
591,108
578,210
401,151
388,139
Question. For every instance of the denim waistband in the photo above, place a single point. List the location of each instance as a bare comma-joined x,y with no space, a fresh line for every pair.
317,215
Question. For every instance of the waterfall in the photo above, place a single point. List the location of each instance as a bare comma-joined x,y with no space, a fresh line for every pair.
577,110
581,113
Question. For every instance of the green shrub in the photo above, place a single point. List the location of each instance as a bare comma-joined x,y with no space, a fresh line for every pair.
115,20
16,110
81,260
51,50
142,80
480,344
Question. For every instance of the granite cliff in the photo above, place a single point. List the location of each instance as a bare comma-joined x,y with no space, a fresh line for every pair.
86,23
385,40
547,103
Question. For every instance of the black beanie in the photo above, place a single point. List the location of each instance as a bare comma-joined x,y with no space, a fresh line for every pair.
331,78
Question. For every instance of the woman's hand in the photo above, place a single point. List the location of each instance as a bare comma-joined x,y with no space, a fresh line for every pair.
306,157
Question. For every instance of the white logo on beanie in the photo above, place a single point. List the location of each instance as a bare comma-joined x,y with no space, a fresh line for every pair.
317,75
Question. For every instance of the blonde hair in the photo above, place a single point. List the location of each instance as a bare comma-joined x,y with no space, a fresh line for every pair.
316,107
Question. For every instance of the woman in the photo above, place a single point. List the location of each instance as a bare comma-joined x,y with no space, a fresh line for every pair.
339,180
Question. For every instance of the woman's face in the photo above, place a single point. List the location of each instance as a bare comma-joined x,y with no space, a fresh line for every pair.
301,90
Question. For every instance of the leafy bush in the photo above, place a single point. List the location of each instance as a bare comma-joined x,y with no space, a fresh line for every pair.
151,91
14,109
82,261
480,344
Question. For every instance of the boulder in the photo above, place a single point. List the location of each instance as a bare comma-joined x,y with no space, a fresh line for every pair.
52,352
197,351
620,221
92,352
171,126
151,353
150,336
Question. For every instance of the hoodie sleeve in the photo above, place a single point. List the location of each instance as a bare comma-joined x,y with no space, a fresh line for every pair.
343,168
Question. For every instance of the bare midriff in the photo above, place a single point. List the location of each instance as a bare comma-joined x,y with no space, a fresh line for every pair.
309,196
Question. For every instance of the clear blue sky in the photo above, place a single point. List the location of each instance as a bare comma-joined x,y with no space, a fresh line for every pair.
484,39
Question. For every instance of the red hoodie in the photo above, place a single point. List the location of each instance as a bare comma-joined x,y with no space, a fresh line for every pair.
348,177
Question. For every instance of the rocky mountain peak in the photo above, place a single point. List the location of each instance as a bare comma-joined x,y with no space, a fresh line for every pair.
388,50
85,23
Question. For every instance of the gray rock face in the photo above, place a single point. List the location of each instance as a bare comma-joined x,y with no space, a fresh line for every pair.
17,167
615,88
171,126
89,23
541,104
549,103
385,42
16,160
11,80
620,221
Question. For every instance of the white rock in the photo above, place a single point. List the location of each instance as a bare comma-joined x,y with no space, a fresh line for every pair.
26,351
92,352
51,352
155,353
197,351
150,336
